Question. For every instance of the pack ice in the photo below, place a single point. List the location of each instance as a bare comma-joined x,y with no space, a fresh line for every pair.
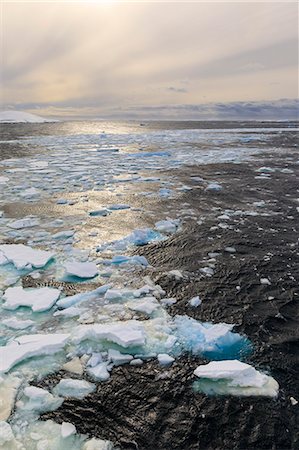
37,299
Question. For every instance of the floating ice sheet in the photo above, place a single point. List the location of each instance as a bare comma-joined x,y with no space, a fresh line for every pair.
24,257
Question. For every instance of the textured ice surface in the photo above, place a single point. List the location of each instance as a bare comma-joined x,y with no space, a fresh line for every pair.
38,300
16,324
235,378
38,400
28,346
73,300
81,269
24,257
8,389
167,226
125,334
69,387
215,341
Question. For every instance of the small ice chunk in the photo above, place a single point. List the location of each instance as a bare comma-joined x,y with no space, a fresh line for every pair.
214,187
293,401
62,201
29,346
99,372
99,213
265,281
63,234
136,362
167,226
7,439
235,378
168,301
118,207
81,269
195,301
40,400
177,274
165,359
8,389
27,222
208,271
72,300
68,387
230,249
118,358
38,300
74,366
67,429
24,257
147,306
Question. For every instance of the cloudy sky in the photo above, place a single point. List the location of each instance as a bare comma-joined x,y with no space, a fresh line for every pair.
142,59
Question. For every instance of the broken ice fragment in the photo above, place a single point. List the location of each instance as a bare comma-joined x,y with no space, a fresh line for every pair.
68,387
195,302
81,269
99,372
24,257
214,187
29,346
16,324
8,389
167,226
27,222
165,359
125,334
38,300
235,378
40,400
67,429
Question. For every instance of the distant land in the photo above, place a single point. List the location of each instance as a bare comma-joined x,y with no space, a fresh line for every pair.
21,117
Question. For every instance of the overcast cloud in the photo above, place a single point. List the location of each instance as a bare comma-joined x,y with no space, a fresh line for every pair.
168,60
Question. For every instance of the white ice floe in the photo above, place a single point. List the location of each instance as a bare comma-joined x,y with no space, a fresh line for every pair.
68,387
28,346
195,301
41,299
38,400
168,226
118,358
99,372
235,378
265,281
165,359
98,444
214,187
147,305
126,333
7,439
67,429
81,269
76,299
27,222
8,390
74,366
24,257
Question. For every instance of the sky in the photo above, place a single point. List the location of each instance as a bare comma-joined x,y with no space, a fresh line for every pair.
159,60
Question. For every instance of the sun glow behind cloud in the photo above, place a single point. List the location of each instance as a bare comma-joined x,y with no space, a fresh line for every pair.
105,57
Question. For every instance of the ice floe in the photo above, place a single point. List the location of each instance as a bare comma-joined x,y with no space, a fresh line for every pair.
8,390
233,377
29,346
81,269
68,387
25,257
41,299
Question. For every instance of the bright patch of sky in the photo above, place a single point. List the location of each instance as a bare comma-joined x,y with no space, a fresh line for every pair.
110,59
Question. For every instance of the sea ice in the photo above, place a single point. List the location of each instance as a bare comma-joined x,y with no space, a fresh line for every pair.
38,300
39,400
68,387
81,269
99,372
214,187
147,306
8,389
195,301
234,377
67,429
29,346
167,226
16,324
27,222
165,359
72,300
125,334
24,257
118,358
98,444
